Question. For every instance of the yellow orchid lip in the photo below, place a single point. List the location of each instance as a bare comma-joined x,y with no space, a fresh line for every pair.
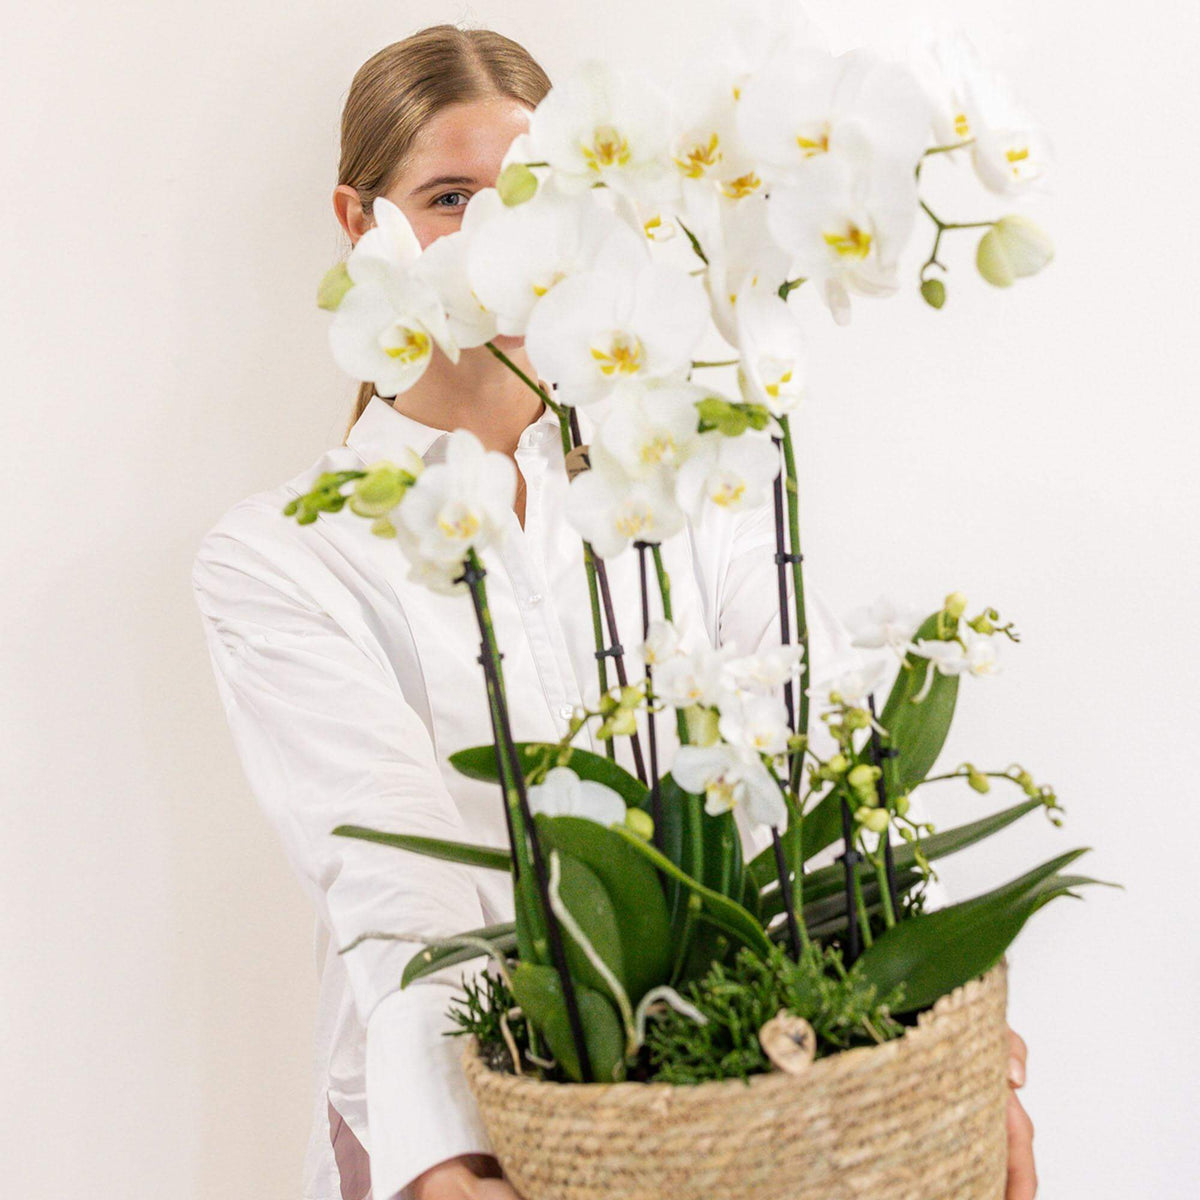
609,148
852,242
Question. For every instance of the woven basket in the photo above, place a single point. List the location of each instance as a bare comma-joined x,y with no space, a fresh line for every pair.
921,1117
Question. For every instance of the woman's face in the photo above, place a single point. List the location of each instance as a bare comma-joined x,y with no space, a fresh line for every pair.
458,152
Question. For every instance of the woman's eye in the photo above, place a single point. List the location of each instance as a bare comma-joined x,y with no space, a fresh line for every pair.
438,202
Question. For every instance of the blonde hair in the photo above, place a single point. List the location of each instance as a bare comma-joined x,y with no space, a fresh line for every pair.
401,87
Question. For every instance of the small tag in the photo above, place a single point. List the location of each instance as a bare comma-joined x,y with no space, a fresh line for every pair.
576,461
789,1042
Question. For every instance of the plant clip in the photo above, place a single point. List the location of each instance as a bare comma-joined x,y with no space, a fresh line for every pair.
615,649
782,556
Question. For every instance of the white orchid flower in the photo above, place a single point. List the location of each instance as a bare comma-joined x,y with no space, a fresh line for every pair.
388,322
699,676
974,655
756,722
563,794
774,351
705,147
602,124
609,508
444,263
847,224
885,623
729,776
461,503
768,669
970,102
733,473
802,104
651,427
633,320
662,641
850,687
741,253
517,255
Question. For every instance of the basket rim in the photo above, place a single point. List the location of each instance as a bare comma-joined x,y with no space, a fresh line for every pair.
846,1061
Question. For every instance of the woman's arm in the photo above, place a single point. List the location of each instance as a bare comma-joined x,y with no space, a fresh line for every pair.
326,737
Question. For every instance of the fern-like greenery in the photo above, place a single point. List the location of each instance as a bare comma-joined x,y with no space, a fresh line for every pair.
739,998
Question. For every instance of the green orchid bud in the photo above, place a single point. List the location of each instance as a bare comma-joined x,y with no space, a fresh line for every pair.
837,764
701,724
955,605
934,292
977,779
1014,247
621,723
857,718
875,819
983,622
640,822
334,285
382,527
516,184
379,490
630,695
862,777
901,804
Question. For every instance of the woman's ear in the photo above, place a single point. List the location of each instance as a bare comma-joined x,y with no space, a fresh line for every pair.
349,211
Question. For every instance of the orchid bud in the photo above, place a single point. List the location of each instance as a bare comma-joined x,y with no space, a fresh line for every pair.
857,718
379,490
901,804
977,779
640,822
1012,248
516,184
837,764
875,819
334,285
934,292
955,605
702,724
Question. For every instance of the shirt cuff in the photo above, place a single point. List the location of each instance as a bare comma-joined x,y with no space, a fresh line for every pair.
420,1109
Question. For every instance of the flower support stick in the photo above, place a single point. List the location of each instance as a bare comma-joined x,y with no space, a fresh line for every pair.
517,799
879,753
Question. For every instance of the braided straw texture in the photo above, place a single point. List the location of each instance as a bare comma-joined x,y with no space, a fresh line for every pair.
921,1117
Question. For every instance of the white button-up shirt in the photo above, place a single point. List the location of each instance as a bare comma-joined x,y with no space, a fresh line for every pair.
347,687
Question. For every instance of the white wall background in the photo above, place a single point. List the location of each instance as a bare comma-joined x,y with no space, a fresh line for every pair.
167,177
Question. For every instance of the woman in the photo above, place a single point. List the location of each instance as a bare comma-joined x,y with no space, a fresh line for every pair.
347,686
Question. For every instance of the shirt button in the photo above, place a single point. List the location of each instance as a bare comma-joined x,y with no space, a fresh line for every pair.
566,711
533,598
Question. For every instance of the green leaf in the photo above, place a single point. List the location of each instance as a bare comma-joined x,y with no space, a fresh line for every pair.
825,881
732,915
539,993
587,901
633,890
917,731
933,953
479,762
503,939
459,852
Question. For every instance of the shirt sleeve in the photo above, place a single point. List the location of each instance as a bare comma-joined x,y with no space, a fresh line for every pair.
326,737
748,616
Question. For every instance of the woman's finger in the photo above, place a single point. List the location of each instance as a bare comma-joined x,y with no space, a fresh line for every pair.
1022,1175
1018,1053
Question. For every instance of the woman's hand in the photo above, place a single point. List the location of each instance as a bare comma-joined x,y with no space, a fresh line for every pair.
1022,1177
467,1177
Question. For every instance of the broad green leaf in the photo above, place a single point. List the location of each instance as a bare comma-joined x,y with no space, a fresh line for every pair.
633,890
502,937
539,993
587,901
459,852
732,915
933,953
479,762
917,731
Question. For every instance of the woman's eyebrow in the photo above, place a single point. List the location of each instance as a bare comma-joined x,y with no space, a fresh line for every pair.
440,180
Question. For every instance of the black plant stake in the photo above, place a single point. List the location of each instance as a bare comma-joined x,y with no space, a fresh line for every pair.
655,797
878,753
781,560
849,857
473,574
615,649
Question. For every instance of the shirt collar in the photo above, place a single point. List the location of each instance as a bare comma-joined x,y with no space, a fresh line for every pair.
382,431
